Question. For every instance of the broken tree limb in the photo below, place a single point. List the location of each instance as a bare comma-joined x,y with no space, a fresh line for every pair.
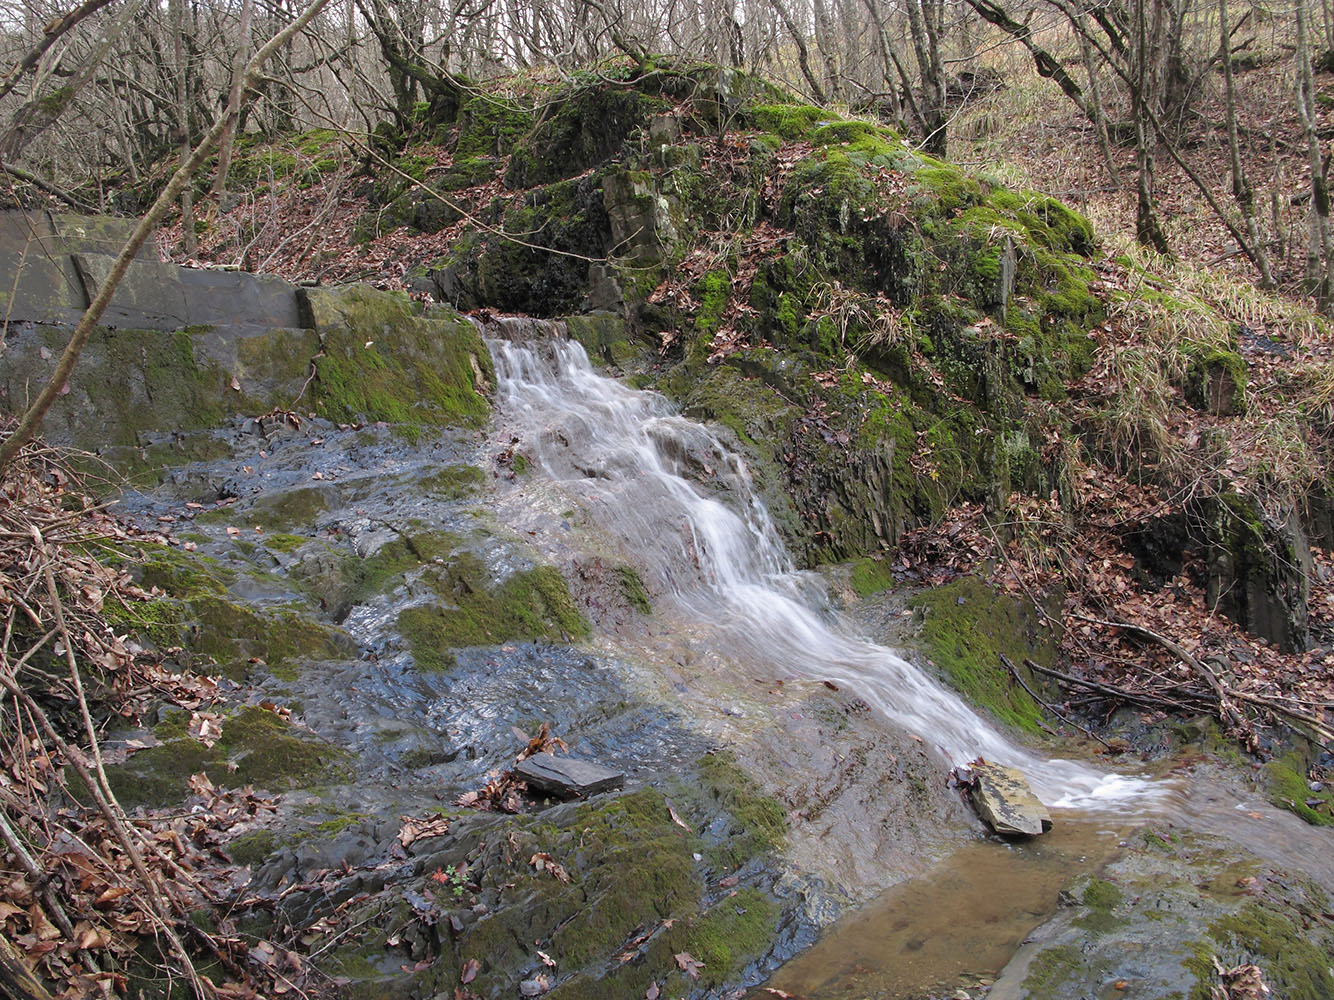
1111,691
1226,708
1014,672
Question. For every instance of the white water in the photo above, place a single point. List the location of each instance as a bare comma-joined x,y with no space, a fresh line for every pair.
671,494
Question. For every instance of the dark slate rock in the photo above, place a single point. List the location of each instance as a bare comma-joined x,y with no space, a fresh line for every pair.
566,777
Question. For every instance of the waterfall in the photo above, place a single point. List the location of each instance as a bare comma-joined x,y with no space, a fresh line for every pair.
684,508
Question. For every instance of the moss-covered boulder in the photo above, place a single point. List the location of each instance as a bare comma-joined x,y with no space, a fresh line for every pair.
215,631
1258,568
580,129
966,627
383,359
474,610
1164,916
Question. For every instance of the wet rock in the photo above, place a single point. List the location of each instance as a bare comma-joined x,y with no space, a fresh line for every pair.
1003,799
567,777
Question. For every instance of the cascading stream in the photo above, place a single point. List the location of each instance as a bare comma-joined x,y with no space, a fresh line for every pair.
669,492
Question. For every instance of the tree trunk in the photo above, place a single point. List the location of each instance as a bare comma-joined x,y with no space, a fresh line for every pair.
177,10
1241,187
233,98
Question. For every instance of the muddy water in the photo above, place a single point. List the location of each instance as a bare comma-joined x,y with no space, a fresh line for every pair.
955,927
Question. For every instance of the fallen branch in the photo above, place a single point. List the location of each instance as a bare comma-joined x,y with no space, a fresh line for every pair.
1111,691
1014,672
1228,711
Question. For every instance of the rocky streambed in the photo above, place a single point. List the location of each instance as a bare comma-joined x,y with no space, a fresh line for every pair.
397,591
422,602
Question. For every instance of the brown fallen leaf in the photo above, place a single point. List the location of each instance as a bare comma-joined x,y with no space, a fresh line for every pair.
470,969
652,992
109,896
676,818
688,964
543,862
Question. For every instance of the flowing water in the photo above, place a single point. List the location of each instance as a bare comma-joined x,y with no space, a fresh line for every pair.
683,507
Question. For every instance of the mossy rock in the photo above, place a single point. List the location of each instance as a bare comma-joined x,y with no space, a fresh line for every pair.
256,747
1216,381
383,360
582,128
1289,789
337,579
631,869
528,604
791,122
522,274
1293,959
966,627
216,633
490,126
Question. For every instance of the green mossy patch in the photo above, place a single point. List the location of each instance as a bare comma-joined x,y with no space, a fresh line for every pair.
286,544
1215,380
490,126
1294,960
530,604
252,848
384,361
871,576
1288,789
634,884
632,589
788,121
255,748
966,628
337,579
581,128
217,633
453,482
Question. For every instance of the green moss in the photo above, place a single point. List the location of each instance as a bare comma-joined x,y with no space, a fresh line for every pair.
255,748
1102,895
337,580
453,482
966,629
383,361
714,292
758,822
1215,380
490,126
147,380
533,604
1101,898
582,127
1051,968
788,121
871,576
197,615
280,542
280,511
1295,962
632,588
1289,790
252,848
238,637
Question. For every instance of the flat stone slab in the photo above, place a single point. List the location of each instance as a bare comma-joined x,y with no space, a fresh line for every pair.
1003,799
567,777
